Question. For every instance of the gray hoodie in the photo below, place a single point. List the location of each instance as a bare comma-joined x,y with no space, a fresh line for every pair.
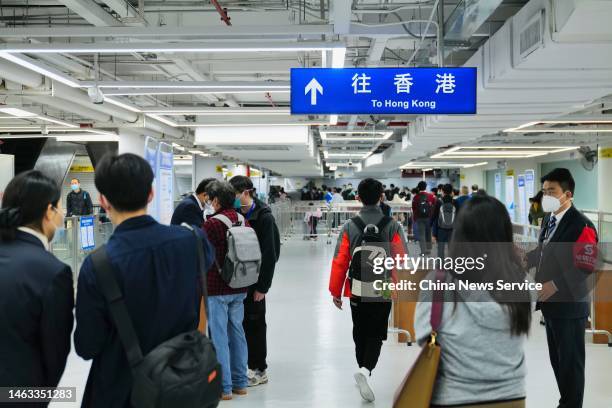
480,361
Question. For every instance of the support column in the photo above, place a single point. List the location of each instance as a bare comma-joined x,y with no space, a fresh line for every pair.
206,167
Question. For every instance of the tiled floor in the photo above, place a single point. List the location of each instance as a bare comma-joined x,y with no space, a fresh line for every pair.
311,350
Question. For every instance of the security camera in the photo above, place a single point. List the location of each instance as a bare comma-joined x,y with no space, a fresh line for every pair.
95,95
350,163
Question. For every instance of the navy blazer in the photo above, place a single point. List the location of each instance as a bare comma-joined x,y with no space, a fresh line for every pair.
188,211
36,301
157,270
556,261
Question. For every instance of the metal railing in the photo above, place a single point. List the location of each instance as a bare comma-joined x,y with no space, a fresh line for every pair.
67,244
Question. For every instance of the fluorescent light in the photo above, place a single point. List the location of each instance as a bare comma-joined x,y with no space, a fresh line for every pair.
162,119
87,138
36,66
218,111
178,147
182,162
517,152
522,128
424,170
204,154
20,113
333,120
219,86
231,125
440,165
383,135
131,47
57,121
363,155
338,56
195,151
182,91
122,105
252,135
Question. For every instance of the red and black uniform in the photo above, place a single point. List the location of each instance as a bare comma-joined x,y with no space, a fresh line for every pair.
370,319
566,255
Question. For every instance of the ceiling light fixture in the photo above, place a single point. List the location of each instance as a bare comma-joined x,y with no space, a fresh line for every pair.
16,112
38,67
86,138
218,111
516,152
162,119
131,47
333,120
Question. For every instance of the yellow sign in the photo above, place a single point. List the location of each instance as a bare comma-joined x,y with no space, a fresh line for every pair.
462,176
510,172
79,168
605,153
219,169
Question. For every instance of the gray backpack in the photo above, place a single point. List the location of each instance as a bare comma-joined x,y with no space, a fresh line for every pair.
446,220
243,259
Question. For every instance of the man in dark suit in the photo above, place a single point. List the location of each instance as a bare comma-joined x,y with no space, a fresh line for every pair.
157,269
565,257
193,208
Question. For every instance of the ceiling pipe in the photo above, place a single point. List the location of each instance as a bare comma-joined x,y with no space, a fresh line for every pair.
72,107
17,73
222,12
75,95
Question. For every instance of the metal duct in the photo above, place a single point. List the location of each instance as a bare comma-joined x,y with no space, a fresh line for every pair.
17,73
55,159
71,107
467,17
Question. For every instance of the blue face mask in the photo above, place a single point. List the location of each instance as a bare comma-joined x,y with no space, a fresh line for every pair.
74,187
237,204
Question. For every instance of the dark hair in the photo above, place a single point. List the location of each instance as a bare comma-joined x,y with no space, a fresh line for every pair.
202,186
74,178
369,191
474,187
434,190
456,191
125,180
563,177
26,199
422,186
538,197
447,189
483,226
223,192
243,183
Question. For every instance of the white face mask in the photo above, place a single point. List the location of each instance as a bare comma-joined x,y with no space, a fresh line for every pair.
550,203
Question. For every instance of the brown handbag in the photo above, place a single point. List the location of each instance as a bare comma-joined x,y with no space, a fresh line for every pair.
417,387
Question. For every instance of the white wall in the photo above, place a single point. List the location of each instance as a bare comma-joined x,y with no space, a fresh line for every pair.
7,171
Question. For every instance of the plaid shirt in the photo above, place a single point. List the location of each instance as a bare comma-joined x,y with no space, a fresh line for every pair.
216,231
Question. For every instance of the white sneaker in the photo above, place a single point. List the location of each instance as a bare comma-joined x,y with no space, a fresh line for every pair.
250,373
259,378
361,378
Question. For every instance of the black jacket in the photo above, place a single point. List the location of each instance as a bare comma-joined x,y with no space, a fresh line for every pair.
157,271
188,211
562,261
79,203
36,302
262,221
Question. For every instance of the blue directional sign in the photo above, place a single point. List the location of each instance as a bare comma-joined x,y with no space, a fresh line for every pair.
383,90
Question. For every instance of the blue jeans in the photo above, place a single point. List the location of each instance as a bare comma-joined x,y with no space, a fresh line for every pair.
226,314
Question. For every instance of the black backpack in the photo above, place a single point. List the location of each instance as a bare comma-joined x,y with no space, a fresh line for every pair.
423,209
446,219
180,372
370,245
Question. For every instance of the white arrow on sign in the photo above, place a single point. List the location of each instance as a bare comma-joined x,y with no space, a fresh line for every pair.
313,87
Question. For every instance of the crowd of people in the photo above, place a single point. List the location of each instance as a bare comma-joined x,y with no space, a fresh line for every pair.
157,270
482,342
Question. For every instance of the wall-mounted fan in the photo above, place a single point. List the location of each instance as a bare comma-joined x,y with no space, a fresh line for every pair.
589,157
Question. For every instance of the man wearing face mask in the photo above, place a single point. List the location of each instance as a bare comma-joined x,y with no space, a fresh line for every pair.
194,208
565,257
78,201
261,219
36,289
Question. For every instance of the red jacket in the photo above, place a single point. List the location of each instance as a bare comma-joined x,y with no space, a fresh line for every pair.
417,199
216,231
340,265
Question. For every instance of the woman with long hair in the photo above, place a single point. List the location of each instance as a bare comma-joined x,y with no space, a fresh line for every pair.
482,332
536,212
36,289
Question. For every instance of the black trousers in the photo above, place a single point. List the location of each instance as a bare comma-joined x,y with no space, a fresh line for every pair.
370,322
567,354
255,331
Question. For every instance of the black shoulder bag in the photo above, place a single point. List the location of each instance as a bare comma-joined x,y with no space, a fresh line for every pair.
180,372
